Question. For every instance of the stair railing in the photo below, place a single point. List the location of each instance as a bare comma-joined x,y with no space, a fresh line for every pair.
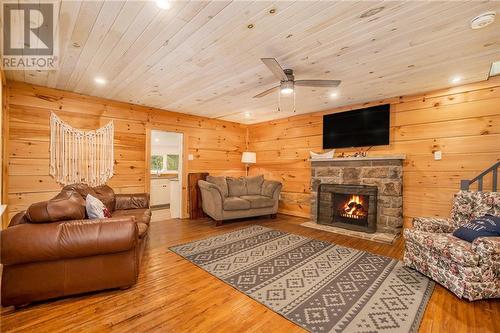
465,184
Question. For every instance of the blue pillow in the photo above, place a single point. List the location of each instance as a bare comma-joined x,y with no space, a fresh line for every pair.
485,226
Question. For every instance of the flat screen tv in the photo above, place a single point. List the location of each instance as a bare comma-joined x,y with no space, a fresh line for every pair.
357,128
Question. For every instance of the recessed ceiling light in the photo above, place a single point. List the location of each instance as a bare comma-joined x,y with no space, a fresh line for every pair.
334,94
456,79
163,4
157,140
247,114
482,20
100,80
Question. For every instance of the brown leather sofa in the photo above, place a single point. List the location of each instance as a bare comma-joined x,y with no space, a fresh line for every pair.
52,250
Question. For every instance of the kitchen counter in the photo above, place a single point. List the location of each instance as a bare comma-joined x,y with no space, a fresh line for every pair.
165,176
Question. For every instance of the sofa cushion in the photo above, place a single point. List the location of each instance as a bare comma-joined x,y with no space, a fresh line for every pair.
445,245
254,184
80,188
269,187
106,195
142,215
486,203
220,182
485,226
236,186
95,208
67,205
469,205
258,201
235,203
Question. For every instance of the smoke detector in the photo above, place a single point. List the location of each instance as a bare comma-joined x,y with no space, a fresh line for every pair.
482,20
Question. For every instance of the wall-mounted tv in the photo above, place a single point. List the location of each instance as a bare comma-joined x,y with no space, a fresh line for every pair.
357,128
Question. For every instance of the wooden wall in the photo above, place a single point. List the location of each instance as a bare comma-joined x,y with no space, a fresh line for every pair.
216,145
463,122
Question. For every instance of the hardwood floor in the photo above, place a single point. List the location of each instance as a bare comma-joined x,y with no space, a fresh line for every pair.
173,295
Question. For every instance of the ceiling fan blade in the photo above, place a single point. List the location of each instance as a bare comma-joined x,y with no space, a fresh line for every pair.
317,83
275,67
267,92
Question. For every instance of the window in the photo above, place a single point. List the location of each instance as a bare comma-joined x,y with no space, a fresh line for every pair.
172,162
165,163
156,163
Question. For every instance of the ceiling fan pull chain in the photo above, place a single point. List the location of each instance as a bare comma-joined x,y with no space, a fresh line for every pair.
294,109
279,100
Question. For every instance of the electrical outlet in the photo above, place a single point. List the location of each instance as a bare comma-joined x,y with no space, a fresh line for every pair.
437,155
190,157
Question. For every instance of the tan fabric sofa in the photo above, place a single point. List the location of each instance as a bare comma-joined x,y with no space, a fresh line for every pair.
225,198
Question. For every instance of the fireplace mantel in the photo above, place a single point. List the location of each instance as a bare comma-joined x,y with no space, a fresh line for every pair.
366,158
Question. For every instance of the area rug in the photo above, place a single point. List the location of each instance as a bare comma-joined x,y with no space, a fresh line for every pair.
318,285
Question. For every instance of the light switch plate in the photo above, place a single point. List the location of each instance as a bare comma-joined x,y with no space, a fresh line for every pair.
438,155
190,157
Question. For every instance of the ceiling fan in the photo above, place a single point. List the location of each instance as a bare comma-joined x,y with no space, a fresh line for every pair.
287,79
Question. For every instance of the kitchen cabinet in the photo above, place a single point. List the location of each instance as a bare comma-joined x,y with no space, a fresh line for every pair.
160,192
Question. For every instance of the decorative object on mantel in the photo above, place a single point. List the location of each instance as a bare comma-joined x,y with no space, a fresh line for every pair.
78,156
248,158
328,154
341,158
359,153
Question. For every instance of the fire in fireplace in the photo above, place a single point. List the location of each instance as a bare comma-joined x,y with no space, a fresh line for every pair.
348,206
354,208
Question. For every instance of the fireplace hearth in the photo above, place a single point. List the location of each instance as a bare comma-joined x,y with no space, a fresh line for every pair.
348,206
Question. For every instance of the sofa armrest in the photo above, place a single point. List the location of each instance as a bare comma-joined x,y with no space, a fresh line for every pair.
486,246
27,243
271,188
488,249
212,199
131,201
433,224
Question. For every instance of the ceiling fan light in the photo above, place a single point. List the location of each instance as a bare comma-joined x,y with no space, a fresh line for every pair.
286,87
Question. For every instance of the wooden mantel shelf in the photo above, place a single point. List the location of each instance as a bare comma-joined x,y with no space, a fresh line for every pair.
366,158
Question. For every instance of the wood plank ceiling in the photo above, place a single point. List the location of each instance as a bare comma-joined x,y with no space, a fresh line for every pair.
202,57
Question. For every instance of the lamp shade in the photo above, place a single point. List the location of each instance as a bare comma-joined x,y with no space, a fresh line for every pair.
249,157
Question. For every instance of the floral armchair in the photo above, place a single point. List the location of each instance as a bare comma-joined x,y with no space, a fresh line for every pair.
469,270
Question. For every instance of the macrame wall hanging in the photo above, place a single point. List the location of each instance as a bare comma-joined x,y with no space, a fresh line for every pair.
80,156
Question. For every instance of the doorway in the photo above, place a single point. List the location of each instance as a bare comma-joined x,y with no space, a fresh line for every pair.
166,163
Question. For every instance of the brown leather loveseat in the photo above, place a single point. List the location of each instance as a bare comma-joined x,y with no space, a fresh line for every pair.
52,249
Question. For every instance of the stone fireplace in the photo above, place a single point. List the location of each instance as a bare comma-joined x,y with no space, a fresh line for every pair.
358,193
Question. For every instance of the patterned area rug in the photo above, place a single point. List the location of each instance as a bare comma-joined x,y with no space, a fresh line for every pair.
318,285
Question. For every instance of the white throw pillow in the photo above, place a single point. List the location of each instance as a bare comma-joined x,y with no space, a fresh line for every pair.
94,207
328,154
